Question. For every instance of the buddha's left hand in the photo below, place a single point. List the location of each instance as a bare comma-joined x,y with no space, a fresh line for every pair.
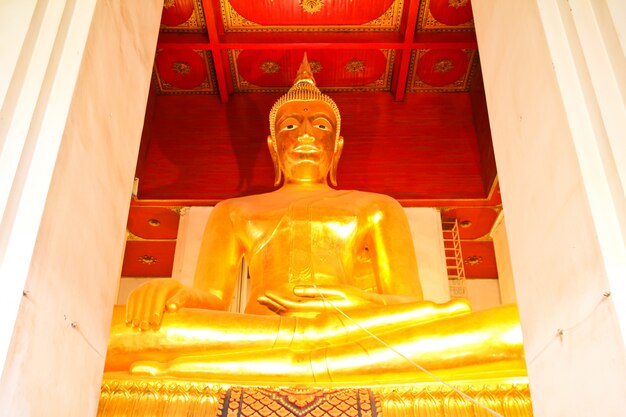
308,299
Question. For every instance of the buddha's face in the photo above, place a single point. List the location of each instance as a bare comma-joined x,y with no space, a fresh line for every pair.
305,140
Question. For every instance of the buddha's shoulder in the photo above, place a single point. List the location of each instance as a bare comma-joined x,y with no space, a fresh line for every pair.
374,200
344,198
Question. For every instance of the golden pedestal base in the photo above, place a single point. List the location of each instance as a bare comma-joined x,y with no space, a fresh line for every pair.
126,395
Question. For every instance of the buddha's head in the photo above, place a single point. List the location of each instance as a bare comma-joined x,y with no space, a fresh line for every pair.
304,124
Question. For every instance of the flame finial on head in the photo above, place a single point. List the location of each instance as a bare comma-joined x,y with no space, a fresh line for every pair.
303,89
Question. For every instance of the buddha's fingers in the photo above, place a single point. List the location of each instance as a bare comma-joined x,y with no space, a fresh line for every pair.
272,305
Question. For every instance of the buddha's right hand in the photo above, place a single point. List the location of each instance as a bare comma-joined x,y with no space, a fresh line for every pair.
146,304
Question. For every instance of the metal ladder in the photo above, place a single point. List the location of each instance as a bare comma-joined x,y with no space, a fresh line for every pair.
454,258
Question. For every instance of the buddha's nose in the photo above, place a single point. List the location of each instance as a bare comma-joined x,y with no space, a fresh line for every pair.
306,138
307,132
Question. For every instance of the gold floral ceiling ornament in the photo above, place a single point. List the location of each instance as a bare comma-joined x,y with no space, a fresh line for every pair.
457,4
311,6
316,66
473,260
270,67
181,67
354,66
148,259
465,224
154,222
169,3
443,65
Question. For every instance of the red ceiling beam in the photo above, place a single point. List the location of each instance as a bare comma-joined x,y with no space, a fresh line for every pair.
170,40
209,14
405,57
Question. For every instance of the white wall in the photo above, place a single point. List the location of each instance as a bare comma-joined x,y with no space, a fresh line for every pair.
425,225
70,128
550,68
483,293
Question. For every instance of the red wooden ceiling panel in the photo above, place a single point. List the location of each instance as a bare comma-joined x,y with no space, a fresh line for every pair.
479,259
153,222
176,12
439,67
148,258
345,68
451,12
311,12
182,68
474,222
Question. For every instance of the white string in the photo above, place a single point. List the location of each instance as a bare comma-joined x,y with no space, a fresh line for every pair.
562,331
409,360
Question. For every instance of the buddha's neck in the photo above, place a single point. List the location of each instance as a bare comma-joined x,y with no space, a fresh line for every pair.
304,187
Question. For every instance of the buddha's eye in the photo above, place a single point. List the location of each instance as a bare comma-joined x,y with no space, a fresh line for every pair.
289,127
321,126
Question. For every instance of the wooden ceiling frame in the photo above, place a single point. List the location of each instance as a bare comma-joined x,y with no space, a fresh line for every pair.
216,42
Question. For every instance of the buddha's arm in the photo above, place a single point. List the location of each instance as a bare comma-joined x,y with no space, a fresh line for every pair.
192,332
214,282
219,259
393,257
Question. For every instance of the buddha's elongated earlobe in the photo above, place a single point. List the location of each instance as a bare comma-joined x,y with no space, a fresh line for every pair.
335,161
278,175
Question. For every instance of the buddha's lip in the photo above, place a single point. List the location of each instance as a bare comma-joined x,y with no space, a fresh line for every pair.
306,149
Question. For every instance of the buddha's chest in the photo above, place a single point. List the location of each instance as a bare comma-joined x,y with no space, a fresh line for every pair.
302,228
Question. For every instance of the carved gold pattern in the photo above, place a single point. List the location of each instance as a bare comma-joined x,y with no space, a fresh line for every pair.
355,65
427,22
242,86
270,67
125,396
316,66
415,84
148,259
387,22
195,23
389,18
181,68
473,260
311,6
206,87
443,65
457,3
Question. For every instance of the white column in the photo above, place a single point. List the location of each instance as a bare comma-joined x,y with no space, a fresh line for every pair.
506,282
78,76
554,79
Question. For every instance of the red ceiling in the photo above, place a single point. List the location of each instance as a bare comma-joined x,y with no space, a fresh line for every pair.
404,73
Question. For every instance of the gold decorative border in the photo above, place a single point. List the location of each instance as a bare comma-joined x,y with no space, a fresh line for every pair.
195,24
387,22
426,21
240,85
463,84
124,395
207,87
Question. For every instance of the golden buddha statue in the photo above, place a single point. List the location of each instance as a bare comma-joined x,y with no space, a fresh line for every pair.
335,295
